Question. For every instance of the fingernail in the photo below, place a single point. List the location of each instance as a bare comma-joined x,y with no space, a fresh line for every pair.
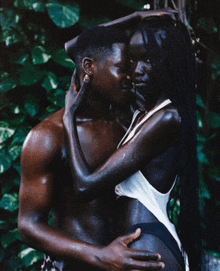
138,230
159,256
162,266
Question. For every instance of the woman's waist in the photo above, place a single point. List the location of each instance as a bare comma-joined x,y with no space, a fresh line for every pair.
134,212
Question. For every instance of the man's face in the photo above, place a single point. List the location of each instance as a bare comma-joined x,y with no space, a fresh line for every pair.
141,67
110,77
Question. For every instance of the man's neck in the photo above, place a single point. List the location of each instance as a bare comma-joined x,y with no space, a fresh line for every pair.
93,109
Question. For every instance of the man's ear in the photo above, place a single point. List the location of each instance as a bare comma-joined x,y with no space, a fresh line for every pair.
88,65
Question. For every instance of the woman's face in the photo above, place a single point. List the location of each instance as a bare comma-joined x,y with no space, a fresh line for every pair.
142,71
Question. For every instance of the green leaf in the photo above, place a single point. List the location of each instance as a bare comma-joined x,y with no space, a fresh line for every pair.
29,75
7,188
30,256
9,238
5,161
214,173
37,6
202,158
20,135
52,109
5,131
63,16
50,81
15,108
9,202
201,139
17,181
39,55
12,36
19,57
58,98
64,82
15,263
17,166
7,83
18,119
204,193
213,120
62,58
9,19
200,102
31,105
3,225
14,151
200,121
216,61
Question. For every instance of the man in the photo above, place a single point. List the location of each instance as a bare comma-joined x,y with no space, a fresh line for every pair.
83,233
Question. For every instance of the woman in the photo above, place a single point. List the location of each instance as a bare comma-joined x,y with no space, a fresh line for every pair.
159,146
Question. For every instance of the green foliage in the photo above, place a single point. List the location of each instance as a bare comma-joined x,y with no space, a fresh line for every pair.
33,82
63,16
35,73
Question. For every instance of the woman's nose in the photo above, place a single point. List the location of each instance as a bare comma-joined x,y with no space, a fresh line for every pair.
142,68
139,70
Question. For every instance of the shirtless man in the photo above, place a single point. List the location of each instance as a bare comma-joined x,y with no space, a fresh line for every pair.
82,237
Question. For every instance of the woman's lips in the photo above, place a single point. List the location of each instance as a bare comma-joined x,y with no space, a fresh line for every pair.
140,84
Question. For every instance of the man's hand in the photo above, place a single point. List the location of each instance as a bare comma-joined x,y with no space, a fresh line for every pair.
118,256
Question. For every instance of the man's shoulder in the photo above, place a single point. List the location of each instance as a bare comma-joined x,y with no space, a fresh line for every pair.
51,125
54,121
47,134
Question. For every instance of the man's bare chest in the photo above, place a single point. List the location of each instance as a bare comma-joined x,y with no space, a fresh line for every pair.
98,140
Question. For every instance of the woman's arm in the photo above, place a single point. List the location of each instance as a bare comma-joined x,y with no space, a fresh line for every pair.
156,135
126,22
137,16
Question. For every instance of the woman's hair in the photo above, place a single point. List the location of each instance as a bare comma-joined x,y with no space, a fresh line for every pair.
171,54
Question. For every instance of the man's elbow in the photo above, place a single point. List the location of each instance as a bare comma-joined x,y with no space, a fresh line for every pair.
26,228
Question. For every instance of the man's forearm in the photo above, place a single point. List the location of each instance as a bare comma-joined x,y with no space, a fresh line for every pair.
54,242
116,256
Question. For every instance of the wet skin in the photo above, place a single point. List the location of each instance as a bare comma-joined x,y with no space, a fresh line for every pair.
160,172
83,231
152,152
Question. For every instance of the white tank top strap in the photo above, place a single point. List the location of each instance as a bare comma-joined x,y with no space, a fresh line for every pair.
132,129
133,121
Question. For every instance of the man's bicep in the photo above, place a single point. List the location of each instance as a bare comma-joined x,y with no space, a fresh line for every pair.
37,178
35,197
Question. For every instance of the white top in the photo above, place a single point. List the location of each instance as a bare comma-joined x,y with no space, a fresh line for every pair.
138,187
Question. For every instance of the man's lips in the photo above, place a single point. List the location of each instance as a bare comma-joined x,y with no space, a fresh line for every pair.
127,87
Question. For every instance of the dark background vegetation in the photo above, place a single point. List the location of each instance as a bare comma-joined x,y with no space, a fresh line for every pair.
35,73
